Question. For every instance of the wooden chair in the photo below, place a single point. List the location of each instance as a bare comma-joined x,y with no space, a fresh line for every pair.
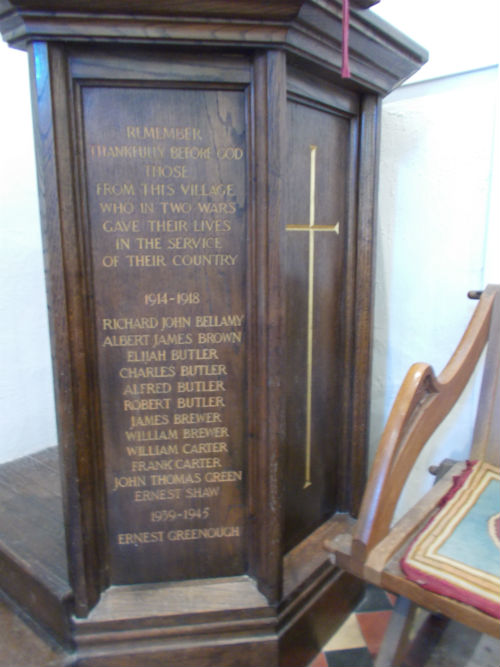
374,549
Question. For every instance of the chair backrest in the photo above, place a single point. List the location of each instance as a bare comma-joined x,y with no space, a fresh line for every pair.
422,403
486,441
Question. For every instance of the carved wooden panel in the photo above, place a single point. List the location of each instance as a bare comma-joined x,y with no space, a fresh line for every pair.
317,280
166,179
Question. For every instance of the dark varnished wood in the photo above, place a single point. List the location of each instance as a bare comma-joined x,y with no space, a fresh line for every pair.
359,357
380,56
120,293
318,135
263,78
68,296
33,562
276,9
266,302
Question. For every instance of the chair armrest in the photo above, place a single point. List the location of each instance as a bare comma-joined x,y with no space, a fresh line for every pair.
422,403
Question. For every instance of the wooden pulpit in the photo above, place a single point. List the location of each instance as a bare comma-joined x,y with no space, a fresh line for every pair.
207,183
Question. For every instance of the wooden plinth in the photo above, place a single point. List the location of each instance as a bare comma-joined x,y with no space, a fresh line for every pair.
202,622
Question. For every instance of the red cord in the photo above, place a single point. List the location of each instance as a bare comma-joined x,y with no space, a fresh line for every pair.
346,72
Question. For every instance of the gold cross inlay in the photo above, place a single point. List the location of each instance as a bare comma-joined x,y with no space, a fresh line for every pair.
311,228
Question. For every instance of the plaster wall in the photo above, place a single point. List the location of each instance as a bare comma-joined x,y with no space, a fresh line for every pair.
27,412
438,219
435,242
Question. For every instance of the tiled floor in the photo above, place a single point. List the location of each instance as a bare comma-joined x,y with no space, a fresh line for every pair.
435,643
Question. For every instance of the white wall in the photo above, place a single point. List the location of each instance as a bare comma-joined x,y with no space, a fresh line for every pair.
460,35
27,420
438,217
439,232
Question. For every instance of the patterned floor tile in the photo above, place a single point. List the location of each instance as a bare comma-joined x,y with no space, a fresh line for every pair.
373,625
354,657
435,642
374,599
319,661
349,635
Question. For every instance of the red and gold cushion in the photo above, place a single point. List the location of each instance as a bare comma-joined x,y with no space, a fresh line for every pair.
457,554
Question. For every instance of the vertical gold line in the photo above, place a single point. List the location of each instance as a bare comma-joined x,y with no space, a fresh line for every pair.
312,186
310,313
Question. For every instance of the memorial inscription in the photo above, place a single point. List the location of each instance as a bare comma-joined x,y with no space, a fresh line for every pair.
166,186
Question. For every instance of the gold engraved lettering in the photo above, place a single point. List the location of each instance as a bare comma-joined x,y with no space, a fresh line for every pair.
171,385
148,466
110,261
219,208
148,372
180,322
224,476
166,171
147,388
204,433
146,404
204,533
206,321
127,151
126,482
194,354
199,402
202,370
159,133
145,261
115,189
311,228
148,244
133,539
157,189
158,226
172,339
176,479
117,208
219,338
180,464
204,260
121,323
197,418
153,450
146,356
126,340
202,492
152,435
201,386
192,243
191,153
204,448
205,190
149,420
175,207
211,226
141,495
122,226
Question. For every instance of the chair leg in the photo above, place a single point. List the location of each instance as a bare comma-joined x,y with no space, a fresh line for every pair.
395,641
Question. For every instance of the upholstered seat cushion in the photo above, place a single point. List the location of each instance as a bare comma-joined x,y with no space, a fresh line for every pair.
457,554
